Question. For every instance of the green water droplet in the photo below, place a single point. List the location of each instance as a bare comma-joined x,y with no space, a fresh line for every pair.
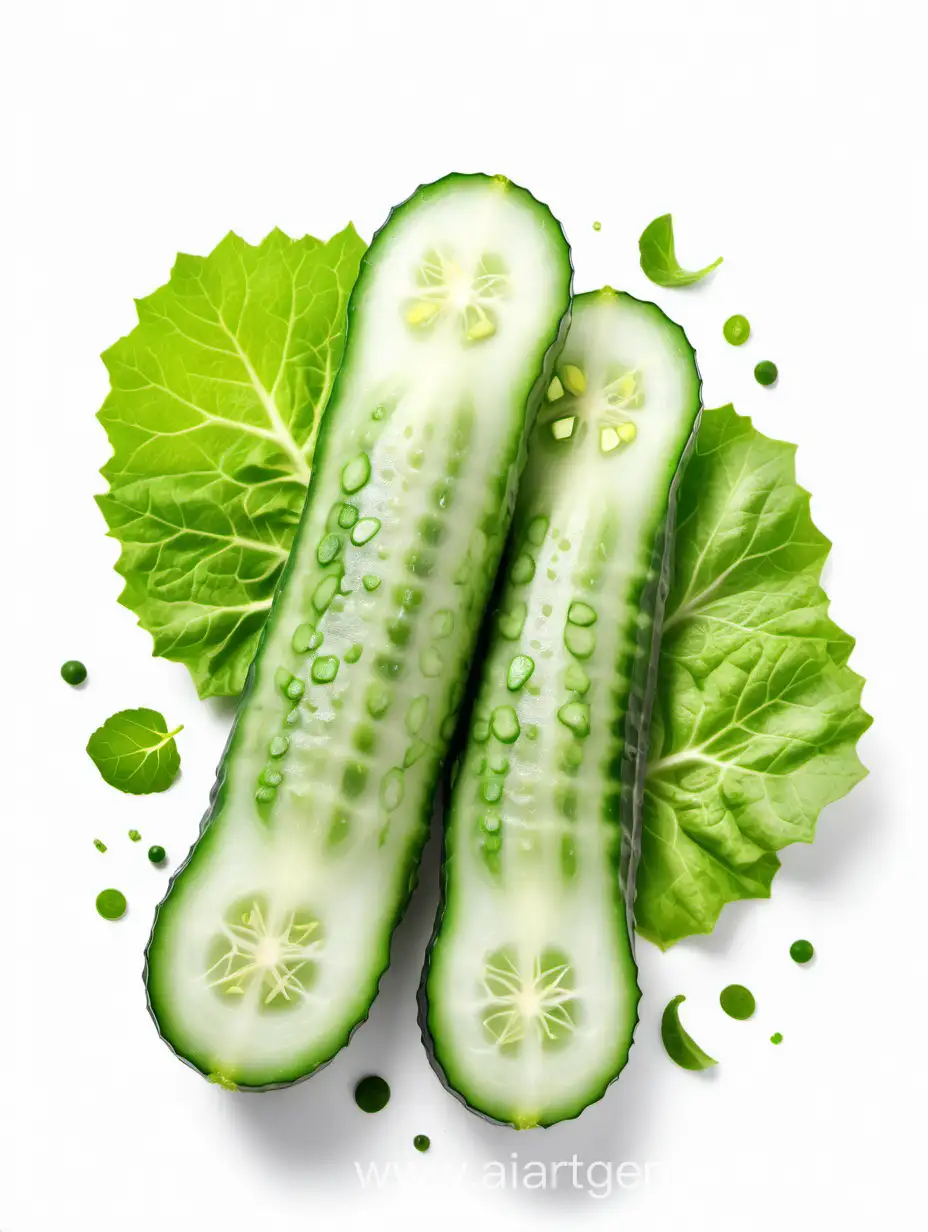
157,854
737,1002
111,904
736,330
135,836
776,1038
73,672
421,1142
801,951
372,1094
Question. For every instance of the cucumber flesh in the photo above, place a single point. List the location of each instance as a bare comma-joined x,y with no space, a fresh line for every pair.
269,947
529,998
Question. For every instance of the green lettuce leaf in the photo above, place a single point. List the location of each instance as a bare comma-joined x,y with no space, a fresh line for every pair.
215,403
757,714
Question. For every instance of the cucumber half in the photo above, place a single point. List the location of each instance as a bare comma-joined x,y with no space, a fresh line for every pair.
269,946
529,997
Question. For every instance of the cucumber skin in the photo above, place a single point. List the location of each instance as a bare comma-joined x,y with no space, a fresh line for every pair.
641,698
218,790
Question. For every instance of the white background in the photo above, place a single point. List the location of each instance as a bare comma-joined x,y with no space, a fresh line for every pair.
787,135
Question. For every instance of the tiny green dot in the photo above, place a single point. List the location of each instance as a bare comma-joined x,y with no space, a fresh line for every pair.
776,1038
73,672
157,855
135,836
111,904
766,372
421,1142
801,951
597,226
99,844
372,1094
737,1002
737,329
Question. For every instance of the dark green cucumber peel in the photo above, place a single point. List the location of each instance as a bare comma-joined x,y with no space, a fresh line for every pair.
650,599
538,368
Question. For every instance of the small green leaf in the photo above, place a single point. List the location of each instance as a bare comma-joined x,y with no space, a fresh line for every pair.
135,752
659,257
680,1046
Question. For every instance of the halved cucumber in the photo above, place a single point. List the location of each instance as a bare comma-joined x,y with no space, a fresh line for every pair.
270,944
529,997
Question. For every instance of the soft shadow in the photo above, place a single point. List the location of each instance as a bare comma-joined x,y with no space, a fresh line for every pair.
606,1134
845,831
314,1129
